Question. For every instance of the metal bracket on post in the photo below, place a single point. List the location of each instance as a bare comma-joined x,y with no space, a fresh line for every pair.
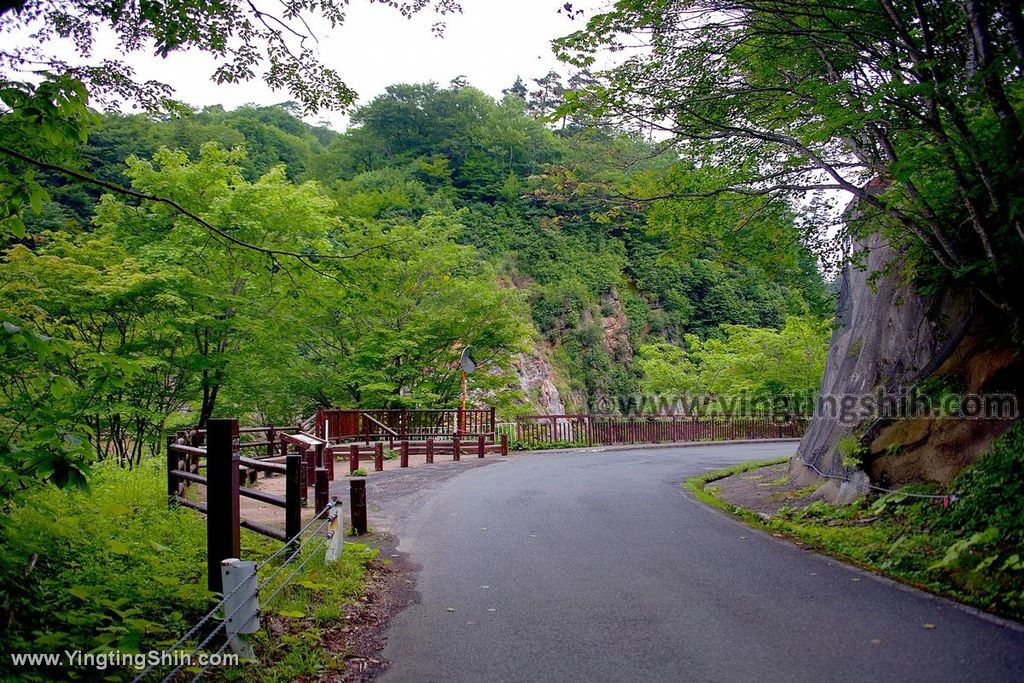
241,605
335,534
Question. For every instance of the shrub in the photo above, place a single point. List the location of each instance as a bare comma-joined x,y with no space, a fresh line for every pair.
991,490
115,567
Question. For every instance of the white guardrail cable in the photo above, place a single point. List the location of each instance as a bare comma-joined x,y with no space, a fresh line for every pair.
946,499
296,550
310,523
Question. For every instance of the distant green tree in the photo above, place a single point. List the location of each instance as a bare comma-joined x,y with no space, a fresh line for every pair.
392,336
517,89
44,118
149,311
748,368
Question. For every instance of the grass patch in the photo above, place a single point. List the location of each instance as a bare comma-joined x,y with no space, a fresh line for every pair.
116,569
290,644
971,551
697,484
801,493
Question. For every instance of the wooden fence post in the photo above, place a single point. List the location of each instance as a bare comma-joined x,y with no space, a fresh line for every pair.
430,451
357,501
480,452
309,455
353,458
494,426
328,458
456,449
320,490
378,457
404,454
293,495
270,442
172,464
504,444
306,482
223,539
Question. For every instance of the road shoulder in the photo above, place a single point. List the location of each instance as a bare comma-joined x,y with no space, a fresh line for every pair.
892,545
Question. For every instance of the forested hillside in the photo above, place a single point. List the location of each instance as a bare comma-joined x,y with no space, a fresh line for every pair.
453,219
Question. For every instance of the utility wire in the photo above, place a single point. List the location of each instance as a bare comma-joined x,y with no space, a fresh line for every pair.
192,631
203,643
270,599
301,257
298,569
212,655
298,550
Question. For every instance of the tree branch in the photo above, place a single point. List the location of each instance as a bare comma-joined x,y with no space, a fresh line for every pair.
303,258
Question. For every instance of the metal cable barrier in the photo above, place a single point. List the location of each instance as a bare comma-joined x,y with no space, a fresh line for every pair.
946,499
294,550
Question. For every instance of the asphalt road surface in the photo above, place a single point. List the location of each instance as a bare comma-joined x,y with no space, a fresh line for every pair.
599,567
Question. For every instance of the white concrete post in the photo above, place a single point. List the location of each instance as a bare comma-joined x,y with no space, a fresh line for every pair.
241,608
335,535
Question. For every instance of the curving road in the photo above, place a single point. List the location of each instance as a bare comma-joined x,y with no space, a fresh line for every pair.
599,567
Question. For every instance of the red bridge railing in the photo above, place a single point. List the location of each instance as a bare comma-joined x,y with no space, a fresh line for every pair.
602,430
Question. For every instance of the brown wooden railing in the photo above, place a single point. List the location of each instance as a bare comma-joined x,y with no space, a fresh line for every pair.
403,424
310,463
457,448
533,431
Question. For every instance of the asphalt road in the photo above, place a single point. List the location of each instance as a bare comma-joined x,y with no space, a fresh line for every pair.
599,567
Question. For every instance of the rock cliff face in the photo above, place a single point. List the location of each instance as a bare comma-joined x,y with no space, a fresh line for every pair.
889,338
615,329
537,382
537,372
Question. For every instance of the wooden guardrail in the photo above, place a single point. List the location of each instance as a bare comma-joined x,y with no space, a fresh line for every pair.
456,448
604,430
225,472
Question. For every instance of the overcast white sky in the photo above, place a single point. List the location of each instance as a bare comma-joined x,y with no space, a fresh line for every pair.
490,43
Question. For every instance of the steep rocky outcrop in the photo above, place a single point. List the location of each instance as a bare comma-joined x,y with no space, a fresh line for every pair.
889,338
615,328
539,375
537,382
